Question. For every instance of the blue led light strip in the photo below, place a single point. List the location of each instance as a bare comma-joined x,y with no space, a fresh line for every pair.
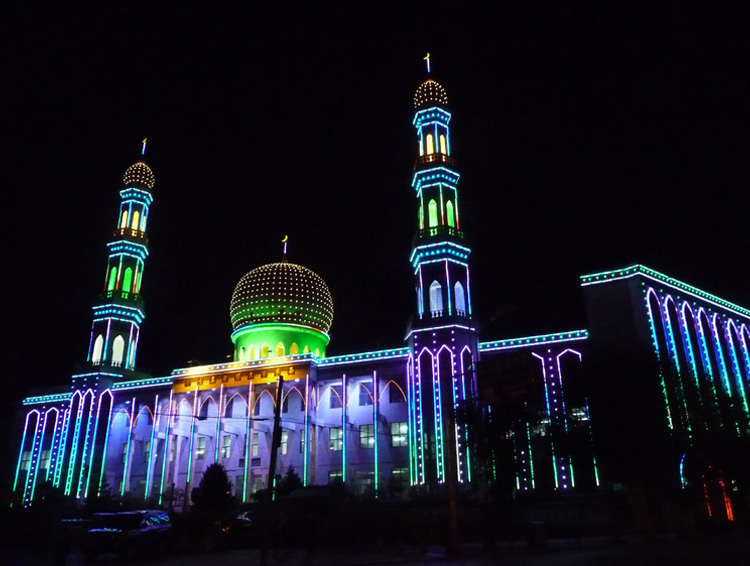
131,426
47,399
534,340
632,271
395,353
152,449
142,383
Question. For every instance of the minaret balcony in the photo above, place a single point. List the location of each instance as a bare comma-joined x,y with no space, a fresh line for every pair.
440,231
123,297
456,317
131,233
435,158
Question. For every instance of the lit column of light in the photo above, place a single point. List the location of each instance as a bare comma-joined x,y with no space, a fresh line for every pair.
150,469
37,454
675,360
307,432
165,457
192,435
464,372
736,363
531,455
248,433
52,444
420,417
86,439
129,355
90,465
106,440
456,428
65,425
343,428
33,461
23,445
591,439
448,288
410,419
218,423
74,443
549,412
375,424
706,356
131,426
437,413
655,343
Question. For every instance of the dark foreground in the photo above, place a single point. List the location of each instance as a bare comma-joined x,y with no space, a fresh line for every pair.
717,550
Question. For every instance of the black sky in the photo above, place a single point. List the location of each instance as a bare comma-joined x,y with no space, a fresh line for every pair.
587,139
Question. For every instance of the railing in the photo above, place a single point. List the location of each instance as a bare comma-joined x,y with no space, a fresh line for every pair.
120,294
440,231
435,158
132,232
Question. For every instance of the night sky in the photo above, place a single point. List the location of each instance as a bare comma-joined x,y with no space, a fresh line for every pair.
586,140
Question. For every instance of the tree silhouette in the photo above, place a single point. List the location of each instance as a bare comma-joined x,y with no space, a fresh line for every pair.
213,496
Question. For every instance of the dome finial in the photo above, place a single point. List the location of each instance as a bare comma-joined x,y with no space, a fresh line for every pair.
284,241
427,58
143,151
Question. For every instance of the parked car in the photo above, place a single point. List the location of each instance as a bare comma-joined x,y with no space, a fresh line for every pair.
127,533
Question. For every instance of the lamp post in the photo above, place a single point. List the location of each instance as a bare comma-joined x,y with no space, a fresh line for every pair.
269,517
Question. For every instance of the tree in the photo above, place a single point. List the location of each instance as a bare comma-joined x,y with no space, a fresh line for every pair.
213,496
289,482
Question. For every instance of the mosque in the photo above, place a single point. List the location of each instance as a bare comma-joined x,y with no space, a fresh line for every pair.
651,395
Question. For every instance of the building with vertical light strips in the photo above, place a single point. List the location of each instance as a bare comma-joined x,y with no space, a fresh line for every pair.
651,395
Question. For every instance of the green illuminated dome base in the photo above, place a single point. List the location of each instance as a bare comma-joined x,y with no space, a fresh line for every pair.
280,309
275,340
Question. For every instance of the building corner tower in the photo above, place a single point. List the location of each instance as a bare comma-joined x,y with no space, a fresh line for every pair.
443,338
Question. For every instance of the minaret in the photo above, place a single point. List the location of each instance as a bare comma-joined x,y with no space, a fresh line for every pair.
443,337
118,313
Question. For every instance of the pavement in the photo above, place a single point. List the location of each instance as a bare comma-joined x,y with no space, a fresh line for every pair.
732,549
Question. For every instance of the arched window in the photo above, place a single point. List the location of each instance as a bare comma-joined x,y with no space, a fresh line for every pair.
96,356
251,353
265,351
293,349
124,219
127,280
421,147
317,352
421,218
112,279
136,223
420,310
242,354
118,351
306,350
436,299
451,221
458,291
443,146
430,144
432,213
279,350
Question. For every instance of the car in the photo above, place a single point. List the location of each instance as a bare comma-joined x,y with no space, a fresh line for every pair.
127,533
